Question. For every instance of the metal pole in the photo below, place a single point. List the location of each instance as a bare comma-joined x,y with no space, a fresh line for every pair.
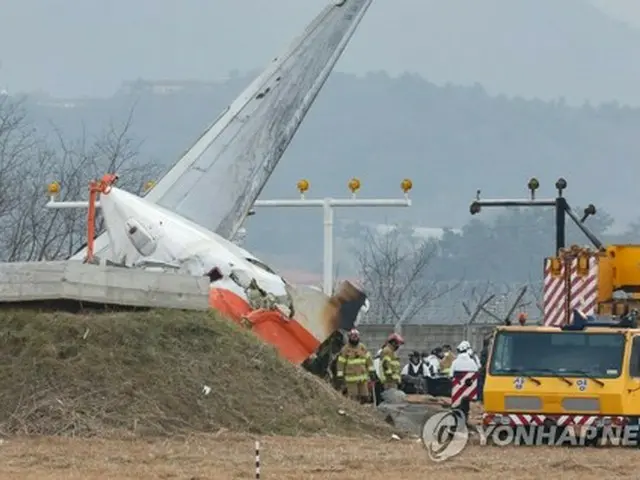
561,207
588,233
327,272
328,204
257,459
55,204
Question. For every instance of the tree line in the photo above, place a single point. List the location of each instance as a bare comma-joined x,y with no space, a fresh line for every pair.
31,159
491,267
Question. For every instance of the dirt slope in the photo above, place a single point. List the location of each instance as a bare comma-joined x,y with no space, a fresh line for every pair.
143,374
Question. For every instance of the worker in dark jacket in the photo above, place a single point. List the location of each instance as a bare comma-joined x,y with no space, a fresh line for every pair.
484,356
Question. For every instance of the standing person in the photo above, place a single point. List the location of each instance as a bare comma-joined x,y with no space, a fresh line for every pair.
377,365
437,384
425,357
355,367
413,375
434,360
484,358
390,363
447,360
466,362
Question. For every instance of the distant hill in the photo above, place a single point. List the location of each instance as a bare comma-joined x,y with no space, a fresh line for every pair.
534,48
450,140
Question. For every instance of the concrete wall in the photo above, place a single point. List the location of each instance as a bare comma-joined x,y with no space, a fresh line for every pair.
35,281
425,337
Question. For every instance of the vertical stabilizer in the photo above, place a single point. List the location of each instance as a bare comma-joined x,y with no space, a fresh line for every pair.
218,179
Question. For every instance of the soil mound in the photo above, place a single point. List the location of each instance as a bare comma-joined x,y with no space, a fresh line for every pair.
148,373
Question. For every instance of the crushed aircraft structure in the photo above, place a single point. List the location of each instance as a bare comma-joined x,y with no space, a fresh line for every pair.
242,287
186,221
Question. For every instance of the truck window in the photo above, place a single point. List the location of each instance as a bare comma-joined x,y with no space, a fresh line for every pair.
634,364
573,354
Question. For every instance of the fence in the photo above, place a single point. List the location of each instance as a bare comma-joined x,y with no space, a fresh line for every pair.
426,337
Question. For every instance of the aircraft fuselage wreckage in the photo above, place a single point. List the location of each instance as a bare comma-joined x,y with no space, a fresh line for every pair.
185,222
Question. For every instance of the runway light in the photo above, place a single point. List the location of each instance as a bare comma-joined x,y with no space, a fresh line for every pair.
354,185
303,186
533,185
406,185
53,189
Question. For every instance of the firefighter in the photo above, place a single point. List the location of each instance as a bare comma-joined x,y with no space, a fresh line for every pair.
390,363
447,360
354,367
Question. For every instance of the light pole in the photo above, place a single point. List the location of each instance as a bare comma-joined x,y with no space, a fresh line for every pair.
327,204
560,204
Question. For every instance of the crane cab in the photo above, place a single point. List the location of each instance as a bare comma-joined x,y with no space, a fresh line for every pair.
583,374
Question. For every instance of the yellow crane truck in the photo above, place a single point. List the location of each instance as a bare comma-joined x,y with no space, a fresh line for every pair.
580,374
586,374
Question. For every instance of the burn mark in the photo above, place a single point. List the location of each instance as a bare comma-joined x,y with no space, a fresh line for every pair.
214,274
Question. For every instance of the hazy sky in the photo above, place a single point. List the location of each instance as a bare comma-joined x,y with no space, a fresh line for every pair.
88,47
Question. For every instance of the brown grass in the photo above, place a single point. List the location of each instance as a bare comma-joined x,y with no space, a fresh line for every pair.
129,384
142,374
286,458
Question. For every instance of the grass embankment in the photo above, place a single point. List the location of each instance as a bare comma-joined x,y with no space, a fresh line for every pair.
143,374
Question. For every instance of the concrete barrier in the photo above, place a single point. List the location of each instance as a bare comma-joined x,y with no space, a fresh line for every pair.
71,280
425,337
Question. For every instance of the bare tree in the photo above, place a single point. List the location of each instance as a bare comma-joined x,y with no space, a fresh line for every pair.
536,288
491,303
393,269
29,161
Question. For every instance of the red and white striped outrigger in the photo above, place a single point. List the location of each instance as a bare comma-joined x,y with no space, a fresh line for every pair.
570,282
464,386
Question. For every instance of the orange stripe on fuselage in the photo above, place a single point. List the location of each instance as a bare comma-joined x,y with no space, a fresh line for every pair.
293,341
229,304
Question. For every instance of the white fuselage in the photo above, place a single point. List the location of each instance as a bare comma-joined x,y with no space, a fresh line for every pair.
141,232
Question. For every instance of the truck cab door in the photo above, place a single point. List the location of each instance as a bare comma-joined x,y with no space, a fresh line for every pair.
633,390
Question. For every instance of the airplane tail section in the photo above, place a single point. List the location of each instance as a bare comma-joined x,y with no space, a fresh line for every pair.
218,179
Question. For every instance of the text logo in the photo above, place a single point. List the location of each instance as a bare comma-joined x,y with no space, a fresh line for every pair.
445,435
609,435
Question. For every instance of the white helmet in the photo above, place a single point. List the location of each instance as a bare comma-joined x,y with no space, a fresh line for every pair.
464,346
